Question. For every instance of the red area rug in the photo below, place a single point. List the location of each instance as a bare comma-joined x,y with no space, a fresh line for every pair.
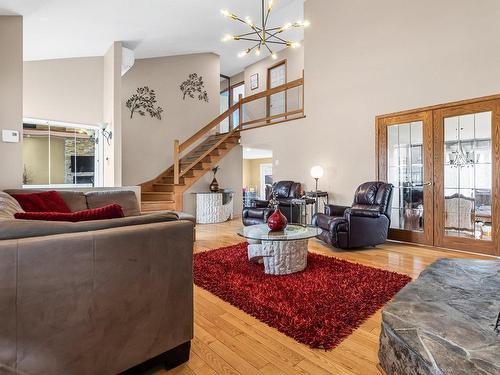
318,307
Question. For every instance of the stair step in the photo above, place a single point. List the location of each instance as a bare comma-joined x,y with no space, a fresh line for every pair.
167,187
157,196
170,180
151,206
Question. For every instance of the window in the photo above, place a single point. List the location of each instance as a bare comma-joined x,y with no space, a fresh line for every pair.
59,154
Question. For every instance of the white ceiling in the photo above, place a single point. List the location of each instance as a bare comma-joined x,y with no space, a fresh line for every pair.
76,28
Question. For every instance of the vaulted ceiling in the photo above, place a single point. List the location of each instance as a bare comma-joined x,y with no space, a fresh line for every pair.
76,28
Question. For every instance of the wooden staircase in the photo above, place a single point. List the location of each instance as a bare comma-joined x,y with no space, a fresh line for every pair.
202,151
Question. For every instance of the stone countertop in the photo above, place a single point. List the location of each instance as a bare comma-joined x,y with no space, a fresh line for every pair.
444,322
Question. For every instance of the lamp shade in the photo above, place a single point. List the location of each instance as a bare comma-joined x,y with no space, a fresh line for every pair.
317,171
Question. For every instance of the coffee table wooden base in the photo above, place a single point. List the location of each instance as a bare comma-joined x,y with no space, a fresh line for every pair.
280,257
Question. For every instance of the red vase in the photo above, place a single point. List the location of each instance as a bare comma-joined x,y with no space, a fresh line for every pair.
277,221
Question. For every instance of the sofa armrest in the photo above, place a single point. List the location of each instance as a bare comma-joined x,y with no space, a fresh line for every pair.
334,210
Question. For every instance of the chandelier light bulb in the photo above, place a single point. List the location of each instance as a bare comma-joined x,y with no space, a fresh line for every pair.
270,5
274,56
244,52
227,38
248,21
228,14
295,44
257,51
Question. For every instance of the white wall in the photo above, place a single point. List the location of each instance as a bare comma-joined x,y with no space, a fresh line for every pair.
367,58
11,98
68,90
112,114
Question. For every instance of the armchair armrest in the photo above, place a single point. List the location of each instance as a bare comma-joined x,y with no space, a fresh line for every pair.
334,210
260,203
362,212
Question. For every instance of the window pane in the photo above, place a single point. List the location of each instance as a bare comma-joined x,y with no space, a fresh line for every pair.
35,154
468,176
85,157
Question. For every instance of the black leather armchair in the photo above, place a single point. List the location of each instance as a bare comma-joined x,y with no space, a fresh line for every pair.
365,223
285,192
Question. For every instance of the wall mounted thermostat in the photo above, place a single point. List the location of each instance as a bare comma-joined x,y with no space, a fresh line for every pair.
10,136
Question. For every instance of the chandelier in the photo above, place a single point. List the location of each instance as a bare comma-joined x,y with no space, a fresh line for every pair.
263,36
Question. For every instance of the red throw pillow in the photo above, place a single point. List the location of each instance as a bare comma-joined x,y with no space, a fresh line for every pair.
46,201
111,211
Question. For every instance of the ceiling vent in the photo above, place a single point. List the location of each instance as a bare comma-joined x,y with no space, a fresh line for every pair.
128,60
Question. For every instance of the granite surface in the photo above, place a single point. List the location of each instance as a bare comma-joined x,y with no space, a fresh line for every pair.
444,322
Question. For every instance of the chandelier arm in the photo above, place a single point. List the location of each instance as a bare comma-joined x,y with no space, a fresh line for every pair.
247,34
269,49
252,40
254,27
274,36
273,42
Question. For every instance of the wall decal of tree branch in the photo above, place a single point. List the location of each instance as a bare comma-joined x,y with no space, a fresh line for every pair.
192,86
144,100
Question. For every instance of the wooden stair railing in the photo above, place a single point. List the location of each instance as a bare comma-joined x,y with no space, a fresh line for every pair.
179,148
199,153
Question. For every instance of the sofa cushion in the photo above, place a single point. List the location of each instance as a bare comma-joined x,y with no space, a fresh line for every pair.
125,198
75,200
13,229
112,211
46,201
8,206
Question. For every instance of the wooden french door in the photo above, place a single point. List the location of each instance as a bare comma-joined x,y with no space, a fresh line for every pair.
466,174
444,163
405,159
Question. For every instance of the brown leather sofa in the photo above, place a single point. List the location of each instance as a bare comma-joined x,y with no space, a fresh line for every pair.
97,297
365,223
285,191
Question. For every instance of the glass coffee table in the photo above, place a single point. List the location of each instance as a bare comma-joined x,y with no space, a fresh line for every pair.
281,252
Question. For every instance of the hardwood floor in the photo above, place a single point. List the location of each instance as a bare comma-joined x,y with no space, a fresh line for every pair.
228,341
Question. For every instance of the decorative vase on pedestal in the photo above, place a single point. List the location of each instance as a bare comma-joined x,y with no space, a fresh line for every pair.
277,221
214,186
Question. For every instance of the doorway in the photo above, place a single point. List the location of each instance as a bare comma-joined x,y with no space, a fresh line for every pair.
277,76
257,174
444,168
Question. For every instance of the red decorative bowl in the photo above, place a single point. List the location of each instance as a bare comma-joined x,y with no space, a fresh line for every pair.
277,221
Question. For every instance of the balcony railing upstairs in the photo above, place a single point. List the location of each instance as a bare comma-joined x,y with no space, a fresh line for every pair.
277,105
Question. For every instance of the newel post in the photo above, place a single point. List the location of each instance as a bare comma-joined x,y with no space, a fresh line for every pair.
176,161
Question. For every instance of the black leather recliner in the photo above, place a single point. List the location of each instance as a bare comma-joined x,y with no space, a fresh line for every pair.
365,223
285,192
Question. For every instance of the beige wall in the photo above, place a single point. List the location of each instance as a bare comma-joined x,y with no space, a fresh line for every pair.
69,90
367,58
229,176
295,65
251,172
112,114
148,142
11,98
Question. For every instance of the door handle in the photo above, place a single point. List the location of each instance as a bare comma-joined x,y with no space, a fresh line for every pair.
429,183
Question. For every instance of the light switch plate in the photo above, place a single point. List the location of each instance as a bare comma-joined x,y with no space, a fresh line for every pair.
10,136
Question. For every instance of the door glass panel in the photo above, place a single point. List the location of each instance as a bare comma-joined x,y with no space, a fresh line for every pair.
467,176
36,154
405,171
277,77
